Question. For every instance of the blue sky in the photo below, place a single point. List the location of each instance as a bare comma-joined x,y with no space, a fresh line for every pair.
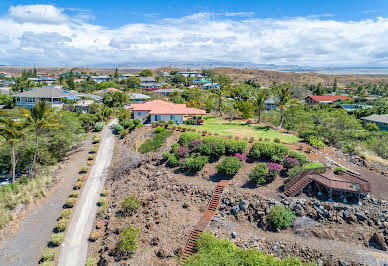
119,12
311,33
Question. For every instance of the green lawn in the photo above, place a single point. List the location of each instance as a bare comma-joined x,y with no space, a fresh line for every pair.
242,129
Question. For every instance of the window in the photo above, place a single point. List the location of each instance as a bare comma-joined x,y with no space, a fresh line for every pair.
157,117
139,113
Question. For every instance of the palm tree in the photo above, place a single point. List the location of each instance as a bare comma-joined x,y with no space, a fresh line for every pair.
224,82
283,99
12,131
39,118
260,99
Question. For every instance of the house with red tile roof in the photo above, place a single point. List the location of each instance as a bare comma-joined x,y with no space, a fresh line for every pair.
159,110
310,100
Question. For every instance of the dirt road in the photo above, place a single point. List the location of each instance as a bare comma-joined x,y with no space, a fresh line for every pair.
74,249
25,245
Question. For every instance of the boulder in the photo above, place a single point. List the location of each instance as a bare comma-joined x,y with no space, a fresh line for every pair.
380,241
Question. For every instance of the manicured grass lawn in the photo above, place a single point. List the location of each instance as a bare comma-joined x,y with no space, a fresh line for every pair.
242,129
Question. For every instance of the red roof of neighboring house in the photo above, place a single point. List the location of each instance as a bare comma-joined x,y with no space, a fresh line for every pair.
159,107
329,98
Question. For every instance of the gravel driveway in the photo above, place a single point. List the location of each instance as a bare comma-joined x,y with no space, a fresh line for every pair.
75,246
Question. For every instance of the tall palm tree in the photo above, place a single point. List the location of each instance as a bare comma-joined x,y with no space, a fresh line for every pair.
39,117
224,82
283,99
12,131
260,99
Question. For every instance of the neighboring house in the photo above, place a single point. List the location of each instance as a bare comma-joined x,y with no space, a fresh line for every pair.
355,107
44,79
107,90
6,75
139,97
209,86
67,74
201,81
5,90
125,76
148,82
191,74
101,78
6,83
53,96
380,120
163,111
270,104
166,92
311,100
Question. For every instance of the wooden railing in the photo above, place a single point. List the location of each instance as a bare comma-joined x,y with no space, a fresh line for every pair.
301,175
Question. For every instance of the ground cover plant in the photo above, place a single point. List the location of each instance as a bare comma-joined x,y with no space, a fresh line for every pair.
131,204
157,140
240,128
218,252
280,217
128,244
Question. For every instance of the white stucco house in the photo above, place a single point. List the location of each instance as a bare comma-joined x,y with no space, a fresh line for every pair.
163,111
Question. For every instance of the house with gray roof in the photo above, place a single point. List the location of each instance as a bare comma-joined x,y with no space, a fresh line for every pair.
139,97
270,104
52,95
380,120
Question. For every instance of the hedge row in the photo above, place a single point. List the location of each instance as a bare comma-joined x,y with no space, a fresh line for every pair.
158,139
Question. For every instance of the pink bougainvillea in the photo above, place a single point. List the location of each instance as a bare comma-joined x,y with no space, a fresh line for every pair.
242,157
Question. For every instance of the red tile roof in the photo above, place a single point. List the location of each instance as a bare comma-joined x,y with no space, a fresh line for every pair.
329,98
159,107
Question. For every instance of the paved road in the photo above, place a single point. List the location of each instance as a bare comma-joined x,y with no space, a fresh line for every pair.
25,246
75,247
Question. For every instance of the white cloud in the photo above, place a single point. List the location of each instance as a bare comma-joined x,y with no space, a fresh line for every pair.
46,14
46,35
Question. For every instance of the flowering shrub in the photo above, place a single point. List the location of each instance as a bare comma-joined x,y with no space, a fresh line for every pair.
273,170
241,157
290,162
297,155
213,146
186,138
196,143
183,151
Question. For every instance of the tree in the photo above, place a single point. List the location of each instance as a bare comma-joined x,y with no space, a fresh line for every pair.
132,82
260,99
245,109
6,100
318,90
335,86
116,74
223,90
115,99
39,117
283,99
145,73
70,81
12,131
178,79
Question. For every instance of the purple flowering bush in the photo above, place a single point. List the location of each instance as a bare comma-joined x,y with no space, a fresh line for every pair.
183,151
241,157
273,170
195,144
290,162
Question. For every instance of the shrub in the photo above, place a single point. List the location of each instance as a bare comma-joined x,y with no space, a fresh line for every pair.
277,140
65,214
70,202
174,148
293,172
371,127
94,235
93,150
297,155
339,170
91,262
123,133
104,193
195,163
213,251
48,254
183,151
305,134
99,224
118,128
127,244
102,202
241,157
172,159
96,138
270,151
91,157
61,225
235,146
78,185
280,217
251,139
229,166
213,146
195,144
130,204
159,130
84,169
47,263
186,138
316,142
289,162
74,194
57,239
156,142
99,126
311,165
259,173
274,169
